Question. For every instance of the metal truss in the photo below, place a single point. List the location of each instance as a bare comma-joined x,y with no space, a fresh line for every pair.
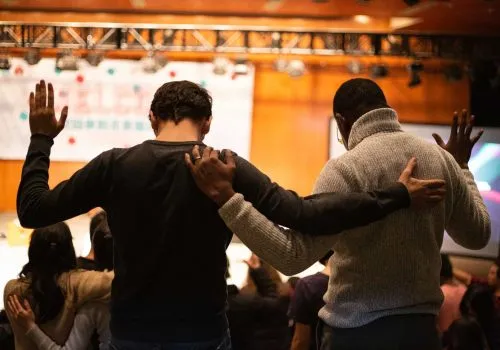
232,39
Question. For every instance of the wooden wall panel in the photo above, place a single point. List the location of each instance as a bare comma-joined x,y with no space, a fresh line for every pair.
290,122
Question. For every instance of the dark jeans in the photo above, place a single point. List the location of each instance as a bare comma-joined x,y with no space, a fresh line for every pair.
405,332
216,344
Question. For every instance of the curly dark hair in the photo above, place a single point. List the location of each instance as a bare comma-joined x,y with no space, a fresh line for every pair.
177,100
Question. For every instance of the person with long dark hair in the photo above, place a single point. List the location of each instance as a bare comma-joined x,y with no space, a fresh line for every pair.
53,287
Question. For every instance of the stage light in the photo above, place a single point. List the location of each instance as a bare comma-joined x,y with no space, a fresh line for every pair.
221,65
354,67
280,65
362,19
275,40
65,60
168,37
241,66
415,68
4,62
153,62
94,58
32,56
296,68
379,71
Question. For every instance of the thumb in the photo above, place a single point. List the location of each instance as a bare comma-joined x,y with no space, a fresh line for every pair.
189,163
230,158
439,140
62,120
408,171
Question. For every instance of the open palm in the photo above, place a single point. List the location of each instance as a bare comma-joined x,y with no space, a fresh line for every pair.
42,115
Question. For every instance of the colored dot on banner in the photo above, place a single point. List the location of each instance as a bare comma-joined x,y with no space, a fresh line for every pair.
203,84
19,71
111,71
23,116
58,70
172,74
137,88
234,76
71,140
80,78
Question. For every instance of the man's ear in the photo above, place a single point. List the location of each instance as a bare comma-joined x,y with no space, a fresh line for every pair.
205,128
154,122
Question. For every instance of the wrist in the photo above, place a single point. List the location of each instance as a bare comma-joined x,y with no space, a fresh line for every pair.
223,195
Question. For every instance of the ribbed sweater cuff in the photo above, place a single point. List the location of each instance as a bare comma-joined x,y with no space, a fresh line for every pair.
232,208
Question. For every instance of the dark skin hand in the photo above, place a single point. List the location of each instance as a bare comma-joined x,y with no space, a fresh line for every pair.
42,115
460,143
214,178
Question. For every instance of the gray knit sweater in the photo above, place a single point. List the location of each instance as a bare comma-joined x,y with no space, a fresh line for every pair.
390,267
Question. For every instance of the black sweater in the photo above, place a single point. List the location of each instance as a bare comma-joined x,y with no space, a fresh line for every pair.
170,242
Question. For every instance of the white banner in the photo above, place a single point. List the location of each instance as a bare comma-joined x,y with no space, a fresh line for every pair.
109,105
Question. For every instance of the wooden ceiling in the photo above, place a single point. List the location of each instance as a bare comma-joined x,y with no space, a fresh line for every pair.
434,15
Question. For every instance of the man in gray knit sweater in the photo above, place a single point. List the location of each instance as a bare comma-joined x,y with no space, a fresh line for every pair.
384,287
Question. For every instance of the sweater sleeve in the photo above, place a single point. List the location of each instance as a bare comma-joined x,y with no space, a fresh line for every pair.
86,320
91,286
469,224
319,214
38,206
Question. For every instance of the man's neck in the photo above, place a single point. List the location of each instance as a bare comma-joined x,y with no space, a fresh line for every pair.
184,131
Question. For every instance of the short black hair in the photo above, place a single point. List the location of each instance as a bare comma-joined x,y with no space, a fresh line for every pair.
177,100
324,260
358,96
446,267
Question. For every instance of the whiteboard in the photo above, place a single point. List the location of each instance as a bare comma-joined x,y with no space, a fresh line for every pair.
109,105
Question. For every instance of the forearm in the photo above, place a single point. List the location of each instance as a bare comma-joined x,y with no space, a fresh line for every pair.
44,342
470,225
288,251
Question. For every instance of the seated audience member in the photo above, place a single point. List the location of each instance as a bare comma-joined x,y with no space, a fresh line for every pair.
88,262
306,303
493,280
258,320
453,293
478,303
466,334
53,287
89,317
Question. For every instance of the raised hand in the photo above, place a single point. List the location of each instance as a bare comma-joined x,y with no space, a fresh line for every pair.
460,143
22,315
212,176
253,262
42,116
423,193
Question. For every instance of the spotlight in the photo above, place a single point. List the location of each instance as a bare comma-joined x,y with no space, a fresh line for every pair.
415,68
354,67
94,57
453,72
4,62
275,40
168,37
379,71
241,66
280,65
153,62
32,56
296,68
221,65
65,60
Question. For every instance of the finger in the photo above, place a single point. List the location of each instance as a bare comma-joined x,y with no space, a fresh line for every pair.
43,94
470,125
412,163
206,152
189,163
11,307
214,154
27,305
62,120
32,102
463,123
38,94
230,158
436,192
454,126
50,99
477,137
196,152
18,303
432,184
439,140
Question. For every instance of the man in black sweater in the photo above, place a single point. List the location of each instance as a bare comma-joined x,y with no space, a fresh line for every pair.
158,216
